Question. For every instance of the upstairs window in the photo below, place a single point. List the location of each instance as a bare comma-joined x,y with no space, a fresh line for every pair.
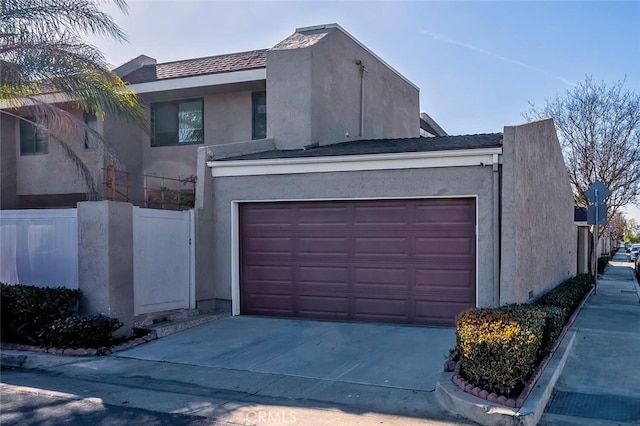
90,138
33,141
259,106
177,122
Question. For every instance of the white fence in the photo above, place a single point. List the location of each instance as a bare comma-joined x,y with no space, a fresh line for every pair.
39,247
163,260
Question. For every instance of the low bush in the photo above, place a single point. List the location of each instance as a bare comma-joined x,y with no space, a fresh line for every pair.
26,310
603,261
555,319
499,347
80,332
568,294
48,316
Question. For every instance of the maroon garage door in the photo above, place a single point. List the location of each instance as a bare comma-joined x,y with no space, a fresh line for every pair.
401,261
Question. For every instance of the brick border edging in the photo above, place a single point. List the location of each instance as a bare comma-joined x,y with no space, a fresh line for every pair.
535,376
80,351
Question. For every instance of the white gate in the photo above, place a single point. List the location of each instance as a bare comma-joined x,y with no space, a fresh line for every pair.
39,247
163,260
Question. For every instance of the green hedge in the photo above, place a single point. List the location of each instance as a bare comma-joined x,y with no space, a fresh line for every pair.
499,348
603,261
27,310
48,316
568,294
80,332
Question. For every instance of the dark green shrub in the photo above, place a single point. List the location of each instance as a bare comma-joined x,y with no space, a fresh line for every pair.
603,261
26,310
555,319
499,347
568,294
80,332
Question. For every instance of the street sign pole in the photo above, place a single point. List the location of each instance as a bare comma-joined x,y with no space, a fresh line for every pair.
595,193
595,245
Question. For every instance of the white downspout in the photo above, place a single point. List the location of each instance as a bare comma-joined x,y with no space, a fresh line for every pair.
496,229
362,71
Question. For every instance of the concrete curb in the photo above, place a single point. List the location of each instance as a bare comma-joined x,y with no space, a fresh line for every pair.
484,412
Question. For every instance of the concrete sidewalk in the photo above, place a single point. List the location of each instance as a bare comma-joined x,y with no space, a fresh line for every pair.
600,383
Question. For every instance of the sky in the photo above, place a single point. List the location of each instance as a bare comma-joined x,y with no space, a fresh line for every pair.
478,64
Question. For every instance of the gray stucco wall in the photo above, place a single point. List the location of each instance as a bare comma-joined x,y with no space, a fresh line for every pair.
105,260
205,235
391,104
8,183
314,88
289,97
453,182
538,232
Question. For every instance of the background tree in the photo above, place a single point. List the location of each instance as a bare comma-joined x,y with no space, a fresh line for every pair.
599,131
43,58
619,224
632,231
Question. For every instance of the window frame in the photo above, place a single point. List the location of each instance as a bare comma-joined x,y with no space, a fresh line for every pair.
255,115
38,136
88,136
176,103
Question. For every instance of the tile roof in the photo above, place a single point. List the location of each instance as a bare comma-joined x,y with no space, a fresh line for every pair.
191,67
384,146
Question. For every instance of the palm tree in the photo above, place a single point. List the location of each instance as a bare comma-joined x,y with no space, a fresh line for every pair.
46,69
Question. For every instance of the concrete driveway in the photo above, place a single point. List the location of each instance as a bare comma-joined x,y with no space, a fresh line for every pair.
380,355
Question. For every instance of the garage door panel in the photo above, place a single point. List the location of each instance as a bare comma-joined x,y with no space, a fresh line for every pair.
380,277
400,261
261,303
323,245
269,273
269,245
380,215
444,212
443,278
319,216
445,294
308,275
319,306
268,217
381,246
447,245
382,309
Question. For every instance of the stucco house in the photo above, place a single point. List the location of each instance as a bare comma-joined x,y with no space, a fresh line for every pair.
320,85
318,194
409,230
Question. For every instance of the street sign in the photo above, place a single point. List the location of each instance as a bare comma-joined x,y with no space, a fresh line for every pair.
610,228
597,192
601,210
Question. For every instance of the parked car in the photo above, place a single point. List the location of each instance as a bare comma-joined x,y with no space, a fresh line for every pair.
637,267
633,254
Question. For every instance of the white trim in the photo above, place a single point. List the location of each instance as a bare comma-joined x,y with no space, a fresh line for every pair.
200,81
355,40
192,259
235,259
420,160
235,234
